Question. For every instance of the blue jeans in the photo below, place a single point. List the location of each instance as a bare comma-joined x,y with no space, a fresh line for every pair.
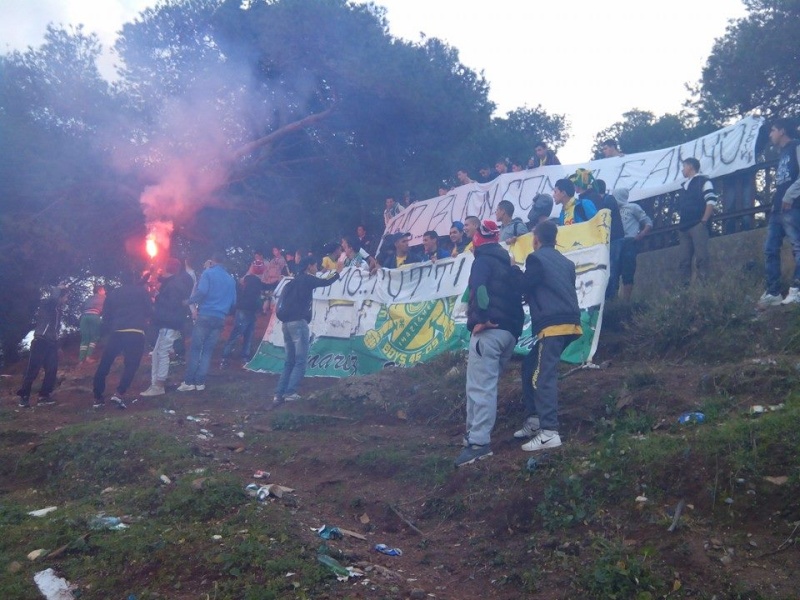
243,325
204,337
614,258
295,339
781,225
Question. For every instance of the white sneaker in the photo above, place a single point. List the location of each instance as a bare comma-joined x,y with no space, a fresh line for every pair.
768,299
153,390
200,387
186,387
544,440
529,428
292,398
793,297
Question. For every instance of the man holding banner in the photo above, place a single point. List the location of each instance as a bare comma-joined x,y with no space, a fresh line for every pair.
495,318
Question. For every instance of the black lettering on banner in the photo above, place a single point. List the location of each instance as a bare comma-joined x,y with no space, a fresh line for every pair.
476,200
421,272
623,174
708,149
358,277
409,217
741,132
442,212
662,166
748,144
440,272
389,291
531,186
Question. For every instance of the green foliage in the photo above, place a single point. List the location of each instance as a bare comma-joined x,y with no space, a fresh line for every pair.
753,66
619,574
110,453
705,321
641,131
567,503
215,498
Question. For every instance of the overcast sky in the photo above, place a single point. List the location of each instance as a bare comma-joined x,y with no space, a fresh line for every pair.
590,61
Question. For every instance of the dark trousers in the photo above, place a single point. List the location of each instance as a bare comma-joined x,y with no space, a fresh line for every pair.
44,353
540,379
131,345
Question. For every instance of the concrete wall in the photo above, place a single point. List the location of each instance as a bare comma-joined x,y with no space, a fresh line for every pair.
731,255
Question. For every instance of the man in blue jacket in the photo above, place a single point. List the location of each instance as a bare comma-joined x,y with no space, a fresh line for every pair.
211,302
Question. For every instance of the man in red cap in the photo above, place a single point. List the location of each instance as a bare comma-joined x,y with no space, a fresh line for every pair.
495,317
168,316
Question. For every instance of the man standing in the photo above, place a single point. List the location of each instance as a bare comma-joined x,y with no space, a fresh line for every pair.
610,149
511,227
636,224
168,316
397,253
617,235
784,220
430,245
540,211
391,211
363,238
573,210
248,303
294,311
463,177
44,347
555,318
125,313
696,204
91,322
213,300
458,240
542,157
495,317
471,226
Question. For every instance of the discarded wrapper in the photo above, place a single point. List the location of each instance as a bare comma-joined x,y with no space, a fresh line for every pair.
42,511
691,417
326,532
261,474
384,549
52,586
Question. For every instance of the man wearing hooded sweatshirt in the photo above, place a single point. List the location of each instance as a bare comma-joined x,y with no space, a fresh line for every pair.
168,316
636,224
495,317
44,348
125,314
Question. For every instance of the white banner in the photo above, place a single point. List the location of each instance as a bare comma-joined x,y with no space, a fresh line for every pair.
419,281
645,174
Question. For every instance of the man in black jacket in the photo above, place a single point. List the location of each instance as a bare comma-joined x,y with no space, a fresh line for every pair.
294,310
125,313
556,321
44,348
168,317
248,303
495,317
696,204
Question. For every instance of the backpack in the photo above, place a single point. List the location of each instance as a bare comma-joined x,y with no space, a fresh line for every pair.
287,300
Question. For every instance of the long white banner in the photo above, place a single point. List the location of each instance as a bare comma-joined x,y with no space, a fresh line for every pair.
645,174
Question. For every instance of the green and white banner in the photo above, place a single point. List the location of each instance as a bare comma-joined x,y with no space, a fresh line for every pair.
399,317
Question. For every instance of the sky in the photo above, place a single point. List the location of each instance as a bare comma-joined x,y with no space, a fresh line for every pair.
590,61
